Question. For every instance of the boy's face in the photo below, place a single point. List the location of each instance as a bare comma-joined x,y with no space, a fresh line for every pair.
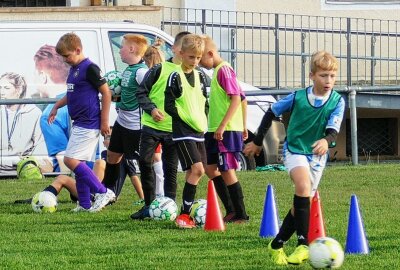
190,60
207,60
324,80
72,58
124,51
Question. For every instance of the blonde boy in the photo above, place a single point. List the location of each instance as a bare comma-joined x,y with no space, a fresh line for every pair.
186,103
315,117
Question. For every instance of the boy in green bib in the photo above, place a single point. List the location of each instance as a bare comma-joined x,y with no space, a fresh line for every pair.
186,102
316,114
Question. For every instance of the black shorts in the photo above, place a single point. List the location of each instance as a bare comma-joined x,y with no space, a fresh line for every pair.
125,141
191,152
129,166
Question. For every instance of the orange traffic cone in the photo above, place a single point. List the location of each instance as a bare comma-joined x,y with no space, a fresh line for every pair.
214,221
316,228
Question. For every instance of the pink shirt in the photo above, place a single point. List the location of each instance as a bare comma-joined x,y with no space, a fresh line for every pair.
227,80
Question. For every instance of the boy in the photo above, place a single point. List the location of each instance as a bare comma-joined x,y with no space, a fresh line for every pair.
315,117
125,137
83,86
157,128
186,102
226,132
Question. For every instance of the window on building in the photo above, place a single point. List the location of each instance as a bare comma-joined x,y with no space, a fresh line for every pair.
32,3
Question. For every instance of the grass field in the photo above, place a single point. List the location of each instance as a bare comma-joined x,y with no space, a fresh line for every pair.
110,240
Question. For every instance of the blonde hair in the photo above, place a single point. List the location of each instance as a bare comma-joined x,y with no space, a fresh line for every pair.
193,43
209,43
67,43
323,60
154,55
139,41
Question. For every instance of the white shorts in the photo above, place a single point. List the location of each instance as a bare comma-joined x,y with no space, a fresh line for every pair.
314,163
82,143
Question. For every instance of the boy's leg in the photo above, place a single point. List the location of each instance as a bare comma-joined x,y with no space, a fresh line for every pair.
169,158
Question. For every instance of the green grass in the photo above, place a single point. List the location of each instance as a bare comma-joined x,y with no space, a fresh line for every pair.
110,240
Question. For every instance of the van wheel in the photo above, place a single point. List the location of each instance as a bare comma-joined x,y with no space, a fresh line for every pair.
246,163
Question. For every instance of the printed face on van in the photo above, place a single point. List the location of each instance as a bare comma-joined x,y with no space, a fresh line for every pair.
8,90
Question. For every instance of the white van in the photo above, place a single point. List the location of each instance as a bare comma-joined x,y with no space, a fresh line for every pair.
23,43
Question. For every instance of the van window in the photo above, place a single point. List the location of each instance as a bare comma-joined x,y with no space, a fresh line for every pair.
116,40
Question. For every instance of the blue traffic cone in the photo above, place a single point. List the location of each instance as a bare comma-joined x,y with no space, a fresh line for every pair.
356,239
269,223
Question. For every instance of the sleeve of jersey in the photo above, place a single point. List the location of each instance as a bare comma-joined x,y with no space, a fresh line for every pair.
335,119
227,80
143,91
94,77
140,74
172,92
283,105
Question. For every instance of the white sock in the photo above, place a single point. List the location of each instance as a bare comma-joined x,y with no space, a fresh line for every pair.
159,178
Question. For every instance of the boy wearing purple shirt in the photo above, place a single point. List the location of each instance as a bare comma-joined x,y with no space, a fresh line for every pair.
84,83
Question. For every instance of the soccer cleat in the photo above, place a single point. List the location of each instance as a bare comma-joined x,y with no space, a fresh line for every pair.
143,213
79,208
184,221
102,199
229,217
278,256
299,255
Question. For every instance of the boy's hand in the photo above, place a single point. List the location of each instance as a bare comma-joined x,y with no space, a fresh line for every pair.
52,116
252,149
245,134
218,134
157,115
320,147
105,128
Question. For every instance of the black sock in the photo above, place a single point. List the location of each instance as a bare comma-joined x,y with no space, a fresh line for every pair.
189,192
51,189
236,193
285,232
111,175
301,217
223,193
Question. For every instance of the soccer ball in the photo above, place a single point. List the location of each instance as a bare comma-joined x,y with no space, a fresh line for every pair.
198,212
114,82
326,252
163,208
44,202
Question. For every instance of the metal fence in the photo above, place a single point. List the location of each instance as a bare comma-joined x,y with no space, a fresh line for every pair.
273,50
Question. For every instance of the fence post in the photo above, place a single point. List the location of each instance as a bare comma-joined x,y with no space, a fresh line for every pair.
373,60
303,60
348,36
353,125
277,68
233,49
203,21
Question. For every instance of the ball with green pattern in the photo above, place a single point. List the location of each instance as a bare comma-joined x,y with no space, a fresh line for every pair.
44,202
163,208
114,82
198,212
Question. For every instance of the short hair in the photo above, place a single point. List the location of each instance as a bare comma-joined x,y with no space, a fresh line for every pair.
179,36
209,42
323,60
154,55
68,43
139,41
193,43
47,59
17,80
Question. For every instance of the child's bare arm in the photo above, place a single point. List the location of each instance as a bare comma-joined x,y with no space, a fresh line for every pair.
105,109
235,103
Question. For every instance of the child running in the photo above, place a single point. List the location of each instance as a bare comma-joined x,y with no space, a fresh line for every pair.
315,117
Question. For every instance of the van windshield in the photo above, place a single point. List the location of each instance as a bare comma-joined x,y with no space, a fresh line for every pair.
116,39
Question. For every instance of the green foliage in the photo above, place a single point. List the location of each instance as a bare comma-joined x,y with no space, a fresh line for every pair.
111,240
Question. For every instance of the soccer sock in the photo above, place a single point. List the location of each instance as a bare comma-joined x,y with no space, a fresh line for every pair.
111,175
223,193
301,218
83,192
51,189
285,232
236,193
158,169
87,176
189,192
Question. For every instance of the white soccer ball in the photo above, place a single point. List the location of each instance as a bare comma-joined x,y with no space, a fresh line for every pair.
114,82
44,202
198,212
163,208
326,252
